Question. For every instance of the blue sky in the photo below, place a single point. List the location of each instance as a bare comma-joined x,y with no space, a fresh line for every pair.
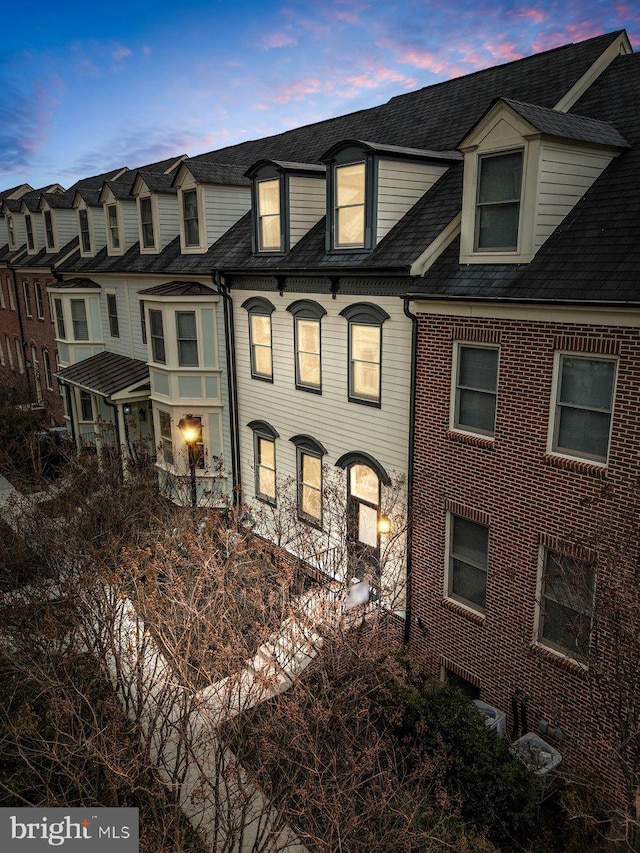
89,87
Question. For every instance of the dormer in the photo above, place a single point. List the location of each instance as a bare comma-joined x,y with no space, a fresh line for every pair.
91,226
525,168
59,218
287,201
371,186
211,198
33,224
158,219
12,195
14,225
120,215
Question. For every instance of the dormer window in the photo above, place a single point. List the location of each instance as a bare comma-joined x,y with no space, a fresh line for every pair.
190,218
146,223
29,226
85,236
498,202
349,205
11,231
112,226
48,230
269,230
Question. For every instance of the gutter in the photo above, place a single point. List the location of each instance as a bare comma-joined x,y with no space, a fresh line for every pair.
232,388
412,427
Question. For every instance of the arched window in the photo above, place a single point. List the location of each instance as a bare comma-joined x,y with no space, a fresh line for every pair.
309,453
260,311
365,351
264,460
307,315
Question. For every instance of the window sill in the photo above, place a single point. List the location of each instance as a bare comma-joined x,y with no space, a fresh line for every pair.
483,441
562,660
375,404
462,610
268,379
579,466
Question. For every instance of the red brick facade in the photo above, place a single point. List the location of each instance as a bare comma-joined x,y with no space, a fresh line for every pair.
27,338
529,499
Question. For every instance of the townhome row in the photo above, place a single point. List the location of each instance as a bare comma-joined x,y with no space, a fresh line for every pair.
407,338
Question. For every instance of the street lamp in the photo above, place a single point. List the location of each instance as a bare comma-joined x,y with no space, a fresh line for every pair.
190,428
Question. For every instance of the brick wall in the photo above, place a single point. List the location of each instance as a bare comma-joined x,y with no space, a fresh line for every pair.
528,498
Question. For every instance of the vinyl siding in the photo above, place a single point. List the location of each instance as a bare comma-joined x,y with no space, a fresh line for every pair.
223,206
168,225
307,205
565,174
400,185
129,224
66,226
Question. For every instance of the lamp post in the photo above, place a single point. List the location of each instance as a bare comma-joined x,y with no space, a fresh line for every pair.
190,428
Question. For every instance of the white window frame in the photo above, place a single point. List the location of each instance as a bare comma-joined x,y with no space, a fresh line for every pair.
112,313
509,250
86,250
144,246
113,230
11,289
153,312
11,230
456,388
26,295
75,322
49,230
31,239
166,437
48,375
3,304
61,328
179,340
7,341
569,453
450,555
183,222
19,355
37,289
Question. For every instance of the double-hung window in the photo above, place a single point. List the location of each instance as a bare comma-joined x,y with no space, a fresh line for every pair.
157,336
146,222
365,352
190,218
349,211
85,236
19,356
57,305
468,556
11,231
31,244
309,453
46,360
307,316
37,287
112,226
86,406
260,342
264,460
11,287
566,603
112,311
166,437
7,341
269,228
79,320
26,292
498,201
475,389
187,338
583,406
48,230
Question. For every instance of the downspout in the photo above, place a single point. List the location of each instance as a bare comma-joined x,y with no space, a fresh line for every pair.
232,388
412,427
23,342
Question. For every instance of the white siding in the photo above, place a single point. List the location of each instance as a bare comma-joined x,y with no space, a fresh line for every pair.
565,174
168,225
128,223
66,226
307,205
400,185
99,235
223,206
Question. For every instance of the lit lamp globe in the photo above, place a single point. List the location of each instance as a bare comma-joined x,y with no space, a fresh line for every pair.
190,428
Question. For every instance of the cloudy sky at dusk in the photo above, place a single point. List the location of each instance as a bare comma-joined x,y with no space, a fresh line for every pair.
85,88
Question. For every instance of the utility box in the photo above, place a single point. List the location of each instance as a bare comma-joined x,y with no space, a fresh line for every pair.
494,718
543,760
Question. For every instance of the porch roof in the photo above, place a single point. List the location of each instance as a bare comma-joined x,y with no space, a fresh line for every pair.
106,373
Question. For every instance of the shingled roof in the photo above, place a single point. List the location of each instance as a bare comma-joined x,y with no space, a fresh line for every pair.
105,373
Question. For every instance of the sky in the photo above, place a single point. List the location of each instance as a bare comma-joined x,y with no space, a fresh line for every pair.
87,87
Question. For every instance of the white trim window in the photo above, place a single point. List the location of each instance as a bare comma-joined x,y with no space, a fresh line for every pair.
31,243
166,436
187,336
59,312
3,304
48,375
11,287
583,406
79,320
157,336
35,366
86,407
566,604
499,191
349,209
11,230
467,558
26,293
269,228
113,229
190,218
85,233
48,230
1,355
19,356
475,388
112,313
7,341
37,287
146,223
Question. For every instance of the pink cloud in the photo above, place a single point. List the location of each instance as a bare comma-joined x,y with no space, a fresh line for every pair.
536,16
298,89
506,51
422,59
274,40
121,53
